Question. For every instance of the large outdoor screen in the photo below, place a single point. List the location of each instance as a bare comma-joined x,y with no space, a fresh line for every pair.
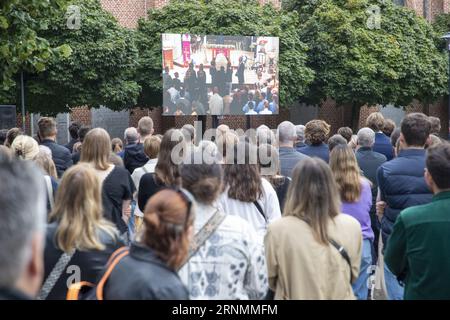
220,75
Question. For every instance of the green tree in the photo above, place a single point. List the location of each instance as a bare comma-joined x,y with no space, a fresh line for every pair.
369,52
100,70
231,17
21,46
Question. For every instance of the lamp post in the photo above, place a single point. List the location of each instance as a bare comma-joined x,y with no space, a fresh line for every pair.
446,37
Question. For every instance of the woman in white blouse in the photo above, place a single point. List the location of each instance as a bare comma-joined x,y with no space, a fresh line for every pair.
230,265
246,194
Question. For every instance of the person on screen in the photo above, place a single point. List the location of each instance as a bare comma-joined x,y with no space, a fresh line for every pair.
250,103
221,78
229,77
266,109
201,84
260,105
176,82
184,100
174,93
167,79
190,80
198,108
213,72
251,108
240,71
273,106
216,103
179,112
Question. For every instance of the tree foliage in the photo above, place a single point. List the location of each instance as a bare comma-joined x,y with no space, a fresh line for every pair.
357,63
21,46
231,17
100,70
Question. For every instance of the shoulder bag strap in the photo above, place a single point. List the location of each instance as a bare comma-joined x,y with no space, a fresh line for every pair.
55,274
48,183
115,258
260,209
205,232
343,253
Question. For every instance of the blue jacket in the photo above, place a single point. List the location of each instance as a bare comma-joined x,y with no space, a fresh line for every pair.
383,145
61,156
402,185
320,151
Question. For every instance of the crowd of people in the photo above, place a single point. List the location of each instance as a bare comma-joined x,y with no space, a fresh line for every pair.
193,96
289,213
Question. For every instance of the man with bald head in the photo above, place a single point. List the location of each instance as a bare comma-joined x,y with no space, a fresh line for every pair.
289,157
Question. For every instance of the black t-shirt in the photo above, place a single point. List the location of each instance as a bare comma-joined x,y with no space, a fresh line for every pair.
117,187
148,186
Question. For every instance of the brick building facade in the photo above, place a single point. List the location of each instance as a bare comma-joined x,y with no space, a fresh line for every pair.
128,12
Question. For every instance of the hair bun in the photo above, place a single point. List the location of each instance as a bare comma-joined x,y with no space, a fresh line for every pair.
152,220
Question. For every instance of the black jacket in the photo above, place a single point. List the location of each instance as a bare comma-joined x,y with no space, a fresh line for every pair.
143,276
134,157
90,263
61,156
70,145
13,294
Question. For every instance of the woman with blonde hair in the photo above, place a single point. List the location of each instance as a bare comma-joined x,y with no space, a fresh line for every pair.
313,251
25,147
77,235
356,197
117,186
44,160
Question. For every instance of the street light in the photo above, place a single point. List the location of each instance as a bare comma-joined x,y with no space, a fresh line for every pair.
446,37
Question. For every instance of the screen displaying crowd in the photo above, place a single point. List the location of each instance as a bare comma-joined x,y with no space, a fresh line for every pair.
220,75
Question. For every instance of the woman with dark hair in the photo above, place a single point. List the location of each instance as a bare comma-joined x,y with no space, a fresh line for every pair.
356,197
166,170
316,134
149,270
313,251
246,193
230,265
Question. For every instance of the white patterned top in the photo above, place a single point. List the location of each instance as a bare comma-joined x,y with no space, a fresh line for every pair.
230,265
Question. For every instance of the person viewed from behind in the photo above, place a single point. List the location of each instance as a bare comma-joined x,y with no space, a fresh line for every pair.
300,142
435,125
134,156
117,186
335,141
289,157
417,250
389,127
45,162
402,184
216,103
369,161
246,193
346,133
316,133
25,147
60,155
11,135
81,135
3,134
22,230
116,145
151,149
269,163
77,231
166,170
5,153
302,262
382,145
356,198
149,271
230,265
74,138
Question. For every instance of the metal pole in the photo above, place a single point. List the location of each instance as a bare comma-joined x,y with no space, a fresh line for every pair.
22,94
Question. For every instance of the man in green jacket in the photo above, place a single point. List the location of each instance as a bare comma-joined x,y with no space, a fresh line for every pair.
418,250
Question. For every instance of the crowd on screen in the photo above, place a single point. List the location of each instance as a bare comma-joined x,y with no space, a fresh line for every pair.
193,96
136,225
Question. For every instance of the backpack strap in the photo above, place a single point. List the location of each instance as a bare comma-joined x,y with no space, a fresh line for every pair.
113,261
343,253
74,290
55,274
260,209
205,232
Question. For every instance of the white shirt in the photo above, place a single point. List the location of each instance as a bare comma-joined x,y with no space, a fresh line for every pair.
137,175
265,111
230,265
249,212
174,94
216,105
251,111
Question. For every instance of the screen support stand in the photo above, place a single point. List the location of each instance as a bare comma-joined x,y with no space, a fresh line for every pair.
248,121
202,118
215,121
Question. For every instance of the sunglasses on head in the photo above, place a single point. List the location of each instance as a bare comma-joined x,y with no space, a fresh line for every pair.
188,198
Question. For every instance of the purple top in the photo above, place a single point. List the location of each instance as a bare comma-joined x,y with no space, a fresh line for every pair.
360,210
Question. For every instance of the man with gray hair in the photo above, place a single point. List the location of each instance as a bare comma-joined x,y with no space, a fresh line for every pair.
369,161
300,142
22,230
289,157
